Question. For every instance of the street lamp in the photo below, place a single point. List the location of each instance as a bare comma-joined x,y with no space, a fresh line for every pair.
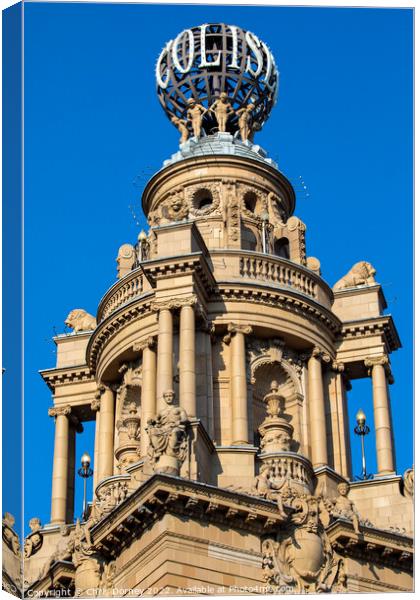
142,245
85,472
362,429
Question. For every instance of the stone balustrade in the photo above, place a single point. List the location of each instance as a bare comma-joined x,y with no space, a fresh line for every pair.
230,265
288,466
129,287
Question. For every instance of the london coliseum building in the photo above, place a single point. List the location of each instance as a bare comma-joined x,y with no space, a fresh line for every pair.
216,372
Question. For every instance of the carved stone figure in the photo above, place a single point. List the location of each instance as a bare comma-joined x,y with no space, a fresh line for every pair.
245,121
342,506
362,273
33,541
195,114
168,437
86,559
174,208
222,109
182,126
79,320
10,537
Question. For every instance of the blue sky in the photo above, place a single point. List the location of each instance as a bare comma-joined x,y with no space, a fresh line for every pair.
94,133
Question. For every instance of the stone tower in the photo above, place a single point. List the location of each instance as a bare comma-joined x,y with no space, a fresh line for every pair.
216,371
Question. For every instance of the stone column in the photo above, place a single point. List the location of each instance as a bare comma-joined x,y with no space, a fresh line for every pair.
339,420
318,428
238,382
165,355
380,371
71,473
106,434
148,390
60,464
187,389
95,406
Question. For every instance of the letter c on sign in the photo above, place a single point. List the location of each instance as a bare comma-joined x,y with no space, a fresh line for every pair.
163,83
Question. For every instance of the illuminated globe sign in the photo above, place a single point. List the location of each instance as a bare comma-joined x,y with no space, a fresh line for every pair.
204,62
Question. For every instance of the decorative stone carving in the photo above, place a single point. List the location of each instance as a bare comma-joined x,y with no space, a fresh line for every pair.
222,109
150,342
196,194
88,562
33,541
245,122
168,437
362,273
126,259
382,360
56,411
110,494
174,208
195,114
408,482
10,537
300,557
314,264
79,320
343,507
231,212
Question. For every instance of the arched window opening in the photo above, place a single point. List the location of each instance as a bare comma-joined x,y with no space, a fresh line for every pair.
281,248
250,201
249,241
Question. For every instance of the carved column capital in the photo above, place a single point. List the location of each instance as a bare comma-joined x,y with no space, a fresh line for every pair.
56,411
382,360
234,328
149,342
177,303
317,352
337,366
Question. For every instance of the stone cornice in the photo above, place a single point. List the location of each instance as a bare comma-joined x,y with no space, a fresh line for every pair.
382,547
113,324
194,264
288,300
375,326
162,494
67,375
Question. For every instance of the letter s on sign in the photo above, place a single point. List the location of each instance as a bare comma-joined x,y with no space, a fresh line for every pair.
163,83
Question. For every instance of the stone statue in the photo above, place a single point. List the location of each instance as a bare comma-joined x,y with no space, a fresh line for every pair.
362,273
182,127
79,320
245,121
222,109
168,437
342,506
195,116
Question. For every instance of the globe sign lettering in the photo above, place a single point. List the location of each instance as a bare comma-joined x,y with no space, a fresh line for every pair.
204,61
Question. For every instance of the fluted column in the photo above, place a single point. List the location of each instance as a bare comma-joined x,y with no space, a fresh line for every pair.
165,355
106,434
380,371
95,406
318,428
148,390
60,464
238,382
187,388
